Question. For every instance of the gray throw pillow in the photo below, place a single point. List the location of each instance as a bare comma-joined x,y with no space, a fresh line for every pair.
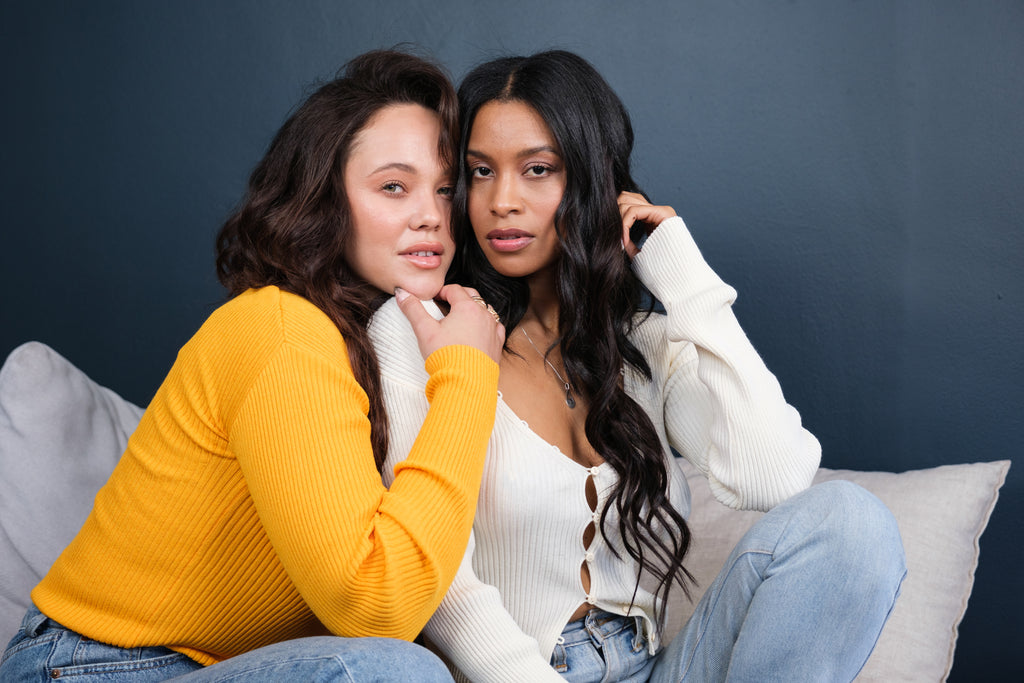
60,436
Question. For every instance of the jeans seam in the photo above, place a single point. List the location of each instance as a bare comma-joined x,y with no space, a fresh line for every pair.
113,667
892,606
711,608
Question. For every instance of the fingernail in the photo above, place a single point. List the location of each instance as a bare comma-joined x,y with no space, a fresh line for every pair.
401,294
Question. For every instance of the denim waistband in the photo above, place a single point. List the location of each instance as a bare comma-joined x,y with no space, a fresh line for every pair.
596,626
34,621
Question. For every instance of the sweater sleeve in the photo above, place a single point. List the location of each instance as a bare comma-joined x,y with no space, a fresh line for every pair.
471,626
366,559
724,411
480,638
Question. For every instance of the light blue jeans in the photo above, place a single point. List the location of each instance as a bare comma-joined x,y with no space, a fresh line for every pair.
43,650
802,597
603,646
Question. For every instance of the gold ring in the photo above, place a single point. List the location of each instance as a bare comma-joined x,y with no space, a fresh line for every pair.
487,307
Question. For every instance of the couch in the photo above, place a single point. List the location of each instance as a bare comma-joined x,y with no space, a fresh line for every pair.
61,434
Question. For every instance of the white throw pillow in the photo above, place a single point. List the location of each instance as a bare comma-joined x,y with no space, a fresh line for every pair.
60,436
941,513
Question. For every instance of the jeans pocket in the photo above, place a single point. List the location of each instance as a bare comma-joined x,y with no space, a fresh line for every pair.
57,653
23,640
159,668
92,658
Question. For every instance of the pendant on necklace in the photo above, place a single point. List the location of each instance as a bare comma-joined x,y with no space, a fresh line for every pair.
569,400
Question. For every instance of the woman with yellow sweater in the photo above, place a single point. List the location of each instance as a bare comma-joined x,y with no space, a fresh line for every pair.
246,533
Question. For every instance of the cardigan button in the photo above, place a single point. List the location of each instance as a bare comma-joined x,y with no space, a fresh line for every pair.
590,557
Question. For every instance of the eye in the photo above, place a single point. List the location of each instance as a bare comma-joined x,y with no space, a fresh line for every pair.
481,172
392,187
537,170
447,191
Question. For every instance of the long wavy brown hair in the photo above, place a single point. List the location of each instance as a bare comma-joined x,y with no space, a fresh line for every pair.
294,223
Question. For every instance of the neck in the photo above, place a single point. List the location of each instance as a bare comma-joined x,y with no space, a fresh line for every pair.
543,307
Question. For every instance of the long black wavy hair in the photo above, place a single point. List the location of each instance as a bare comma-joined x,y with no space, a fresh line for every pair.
599,296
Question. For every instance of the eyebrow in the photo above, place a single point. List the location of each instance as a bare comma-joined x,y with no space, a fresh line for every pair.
394,166
524,153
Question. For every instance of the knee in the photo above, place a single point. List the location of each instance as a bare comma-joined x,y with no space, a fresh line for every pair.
379,659
409,661
859,529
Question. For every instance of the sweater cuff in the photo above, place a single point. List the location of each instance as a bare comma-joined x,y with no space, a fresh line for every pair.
467,361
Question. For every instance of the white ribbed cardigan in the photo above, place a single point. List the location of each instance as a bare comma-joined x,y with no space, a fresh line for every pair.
711,398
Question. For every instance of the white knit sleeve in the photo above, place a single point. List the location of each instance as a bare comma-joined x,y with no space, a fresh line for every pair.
471,626
478,635
724,411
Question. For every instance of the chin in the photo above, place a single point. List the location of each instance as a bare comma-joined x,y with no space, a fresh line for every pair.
422,290
513,271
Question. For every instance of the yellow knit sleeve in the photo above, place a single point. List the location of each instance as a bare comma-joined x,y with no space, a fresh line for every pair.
367,560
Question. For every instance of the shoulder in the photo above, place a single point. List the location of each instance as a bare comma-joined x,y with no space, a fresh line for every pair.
258,322
276,308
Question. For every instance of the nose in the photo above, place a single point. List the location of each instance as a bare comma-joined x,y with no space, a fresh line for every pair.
433,213
505,198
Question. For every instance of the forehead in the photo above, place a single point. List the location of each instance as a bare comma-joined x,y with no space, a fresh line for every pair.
509,125
401,133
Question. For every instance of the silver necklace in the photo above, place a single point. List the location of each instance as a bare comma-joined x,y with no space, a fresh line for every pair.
569,400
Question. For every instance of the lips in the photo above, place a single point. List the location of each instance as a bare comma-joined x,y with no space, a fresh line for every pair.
425,255
509,239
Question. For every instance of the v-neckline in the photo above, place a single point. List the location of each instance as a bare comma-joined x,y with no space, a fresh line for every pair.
525,426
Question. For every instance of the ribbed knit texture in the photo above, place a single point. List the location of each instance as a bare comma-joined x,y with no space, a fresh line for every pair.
711,398
247,508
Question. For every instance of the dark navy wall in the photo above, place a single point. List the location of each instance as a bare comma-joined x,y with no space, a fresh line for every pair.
855,169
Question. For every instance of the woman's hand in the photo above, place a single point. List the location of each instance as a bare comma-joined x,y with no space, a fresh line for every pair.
633,207
470,322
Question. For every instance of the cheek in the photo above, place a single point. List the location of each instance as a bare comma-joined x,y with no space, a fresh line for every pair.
475,203
476,208
371,241
549,207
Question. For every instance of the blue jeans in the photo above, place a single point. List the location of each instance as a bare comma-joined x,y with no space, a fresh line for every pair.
602,644
43,650
802,597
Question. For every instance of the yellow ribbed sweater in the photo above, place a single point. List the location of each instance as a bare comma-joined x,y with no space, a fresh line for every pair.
247,509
